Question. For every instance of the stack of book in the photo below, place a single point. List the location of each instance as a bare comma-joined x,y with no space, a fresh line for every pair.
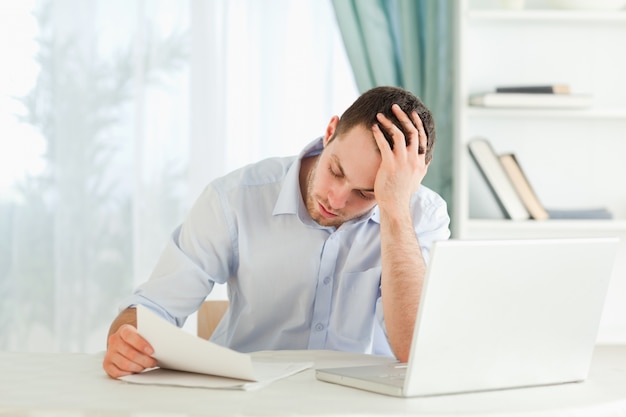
513,191
532,96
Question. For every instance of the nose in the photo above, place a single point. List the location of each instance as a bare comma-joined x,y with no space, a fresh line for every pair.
338,197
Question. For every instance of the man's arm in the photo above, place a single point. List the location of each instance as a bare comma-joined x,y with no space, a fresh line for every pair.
403,271
127,352
403,267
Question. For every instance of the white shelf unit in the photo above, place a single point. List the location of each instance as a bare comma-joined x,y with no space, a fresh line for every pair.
573,158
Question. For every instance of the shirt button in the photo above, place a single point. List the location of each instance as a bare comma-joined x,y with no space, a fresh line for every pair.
319,327
326,280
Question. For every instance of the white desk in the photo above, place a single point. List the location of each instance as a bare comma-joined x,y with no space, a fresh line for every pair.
74,385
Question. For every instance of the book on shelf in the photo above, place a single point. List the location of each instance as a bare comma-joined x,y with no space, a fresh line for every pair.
532,100
593,213
535,89
522,186
482,204
493,172
509,185
532,203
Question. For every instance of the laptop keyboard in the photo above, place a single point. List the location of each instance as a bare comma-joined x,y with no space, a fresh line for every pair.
396,372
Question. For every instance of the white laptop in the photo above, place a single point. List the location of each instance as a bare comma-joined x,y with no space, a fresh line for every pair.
499,314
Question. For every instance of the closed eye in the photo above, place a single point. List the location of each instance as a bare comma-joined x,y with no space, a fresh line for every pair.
365,195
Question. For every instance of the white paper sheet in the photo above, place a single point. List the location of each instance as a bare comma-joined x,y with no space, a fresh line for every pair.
271,373
204,364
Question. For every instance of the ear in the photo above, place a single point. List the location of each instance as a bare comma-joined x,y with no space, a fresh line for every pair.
330,129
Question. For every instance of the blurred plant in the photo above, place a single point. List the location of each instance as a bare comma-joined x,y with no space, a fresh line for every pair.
69,243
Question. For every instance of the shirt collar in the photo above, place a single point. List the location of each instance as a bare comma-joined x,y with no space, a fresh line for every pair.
290,199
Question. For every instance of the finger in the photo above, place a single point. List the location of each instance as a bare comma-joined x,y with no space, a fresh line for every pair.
128,351
381,142
397,137
129,362
423,139
114,372
409,126
111,369
116,364
130,335
131,359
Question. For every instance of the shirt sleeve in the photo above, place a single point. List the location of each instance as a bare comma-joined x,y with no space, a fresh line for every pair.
434,226
198,254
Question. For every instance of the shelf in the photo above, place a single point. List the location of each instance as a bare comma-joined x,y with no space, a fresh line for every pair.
594,113
574,156
548,15
546,228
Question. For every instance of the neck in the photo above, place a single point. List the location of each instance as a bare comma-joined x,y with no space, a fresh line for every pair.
306,166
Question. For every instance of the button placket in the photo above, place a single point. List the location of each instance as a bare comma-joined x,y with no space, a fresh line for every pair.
323,293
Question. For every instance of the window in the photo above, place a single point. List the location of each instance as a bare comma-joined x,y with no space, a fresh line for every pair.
113,117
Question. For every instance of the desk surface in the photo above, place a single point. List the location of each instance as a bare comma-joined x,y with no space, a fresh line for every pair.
46,385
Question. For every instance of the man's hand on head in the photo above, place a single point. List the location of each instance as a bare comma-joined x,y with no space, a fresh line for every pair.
402,169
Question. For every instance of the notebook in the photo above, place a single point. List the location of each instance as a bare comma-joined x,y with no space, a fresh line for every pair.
498,314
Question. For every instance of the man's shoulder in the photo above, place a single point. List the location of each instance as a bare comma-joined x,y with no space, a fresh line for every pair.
264,172
429,206
427,197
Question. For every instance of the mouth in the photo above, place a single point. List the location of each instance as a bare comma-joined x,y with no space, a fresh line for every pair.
325,213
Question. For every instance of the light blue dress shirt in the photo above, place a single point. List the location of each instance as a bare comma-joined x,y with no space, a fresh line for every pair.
292,284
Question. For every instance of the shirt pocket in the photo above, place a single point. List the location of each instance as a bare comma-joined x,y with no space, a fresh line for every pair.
355,303
361,283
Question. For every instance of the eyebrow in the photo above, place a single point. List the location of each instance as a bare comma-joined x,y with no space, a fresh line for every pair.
340,168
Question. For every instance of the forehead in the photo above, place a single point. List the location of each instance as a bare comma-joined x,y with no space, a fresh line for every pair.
357,154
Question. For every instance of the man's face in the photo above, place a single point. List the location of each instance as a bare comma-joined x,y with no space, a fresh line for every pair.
340,186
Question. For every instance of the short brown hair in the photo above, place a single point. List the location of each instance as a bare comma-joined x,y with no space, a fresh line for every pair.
379,100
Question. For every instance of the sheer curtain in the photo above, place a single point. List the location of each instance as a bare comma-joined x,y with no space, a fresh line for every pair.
113,117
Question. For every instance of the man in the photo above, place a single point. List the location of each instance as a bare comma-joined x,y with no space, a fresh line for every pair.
322,251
